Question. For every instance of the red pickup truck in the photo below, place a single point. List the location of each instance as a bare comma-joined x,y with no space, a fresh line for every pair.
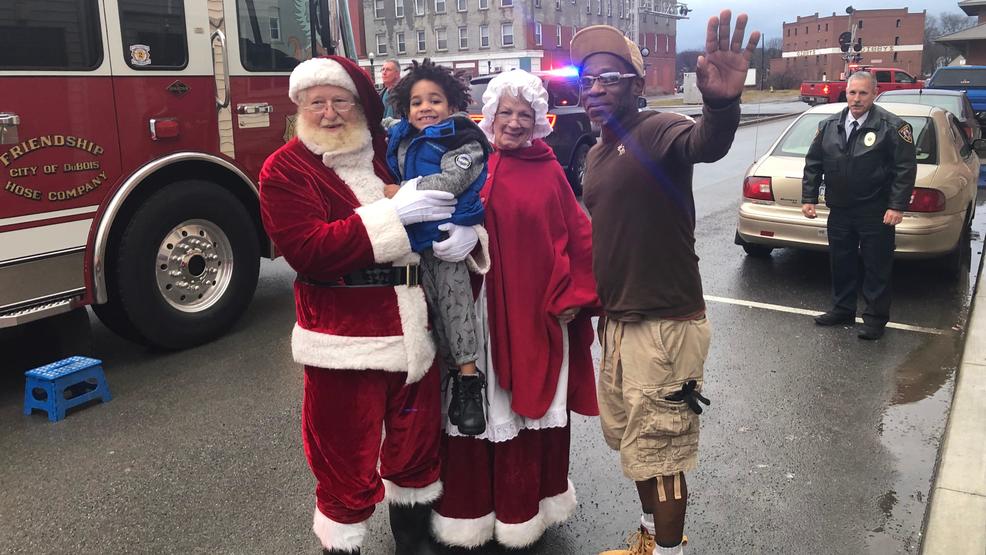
887,79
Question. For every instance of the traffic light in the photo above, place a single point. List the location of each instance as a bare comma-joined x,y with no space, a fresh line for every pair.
859,45
844,40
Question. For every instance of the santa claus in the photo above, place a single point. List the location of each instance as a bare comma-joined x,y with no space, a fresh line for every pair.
362,325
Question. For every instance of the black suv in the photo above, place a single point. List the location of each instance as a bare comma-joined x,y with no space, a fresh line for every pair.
572,137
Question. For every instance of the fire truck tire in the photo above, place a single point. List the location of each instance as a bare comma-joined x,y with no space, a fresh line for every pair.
187,264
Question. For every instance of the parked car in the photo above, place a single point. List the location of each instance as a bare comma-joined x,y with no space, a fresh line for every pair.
971,79
956,102
941,208
573,135
827,92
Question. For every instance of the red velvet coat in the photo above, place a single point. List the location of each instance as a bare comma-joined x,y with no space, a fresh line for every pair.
540,244
328,222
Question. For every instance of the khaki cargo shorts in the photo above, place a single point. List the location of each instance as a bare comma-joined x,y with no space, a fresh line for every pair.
642,363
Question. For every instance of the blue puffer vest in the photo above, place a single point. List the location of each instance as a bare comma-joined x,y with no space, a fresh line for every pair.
424,157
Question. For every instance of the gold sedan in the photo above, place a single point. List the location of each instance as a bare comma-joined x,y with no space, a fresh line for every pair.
935,223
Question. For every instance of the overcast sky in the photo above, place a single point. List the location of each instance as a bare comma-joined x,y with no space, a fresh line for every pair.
767,16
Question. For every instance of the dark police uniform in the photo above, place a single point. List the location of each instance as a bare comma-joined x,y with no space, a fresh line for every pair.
863,178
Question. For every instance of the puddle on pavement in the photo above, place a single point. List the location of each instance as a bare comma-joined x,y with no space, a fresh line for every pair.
911,429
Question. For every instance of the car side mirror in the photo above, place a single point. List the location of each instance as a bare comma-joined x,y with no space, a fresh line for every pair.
979,145
641,103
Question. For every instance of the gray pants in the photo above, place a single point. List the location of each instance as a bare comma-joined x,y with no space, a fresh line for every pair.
450,303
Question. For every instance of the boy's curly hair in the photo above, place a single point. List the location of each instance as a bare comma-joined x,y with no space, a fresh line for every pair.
456,90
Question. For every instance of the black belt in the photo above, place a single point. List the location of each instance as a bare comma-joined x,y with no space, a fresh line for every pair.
379,276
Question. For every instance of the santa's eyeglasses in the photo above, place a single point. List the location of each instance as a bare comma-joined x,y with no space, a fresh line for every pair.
339,106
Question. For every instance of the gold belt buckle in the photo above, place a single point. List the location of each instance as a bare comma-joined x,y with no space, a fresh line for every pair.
412,275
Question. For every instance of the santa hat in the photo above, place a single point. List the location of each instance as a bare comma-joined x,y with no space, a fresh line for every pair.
342,72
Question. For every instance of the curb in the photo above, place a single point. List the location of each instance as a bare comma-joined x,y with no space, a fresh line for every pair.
769,118
956,520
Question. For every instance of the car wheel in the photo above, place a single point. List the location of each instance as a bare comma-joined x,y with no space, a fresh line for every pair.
576,170
956,262
758,251
186,266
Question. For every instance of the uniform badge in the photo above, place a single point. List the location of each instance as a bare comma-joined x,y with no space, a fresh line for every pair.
869,138
140,55
906,133
621,149
464,161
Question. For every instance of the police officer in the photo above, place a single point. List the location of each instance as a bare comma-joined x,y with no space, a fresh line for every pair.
865,155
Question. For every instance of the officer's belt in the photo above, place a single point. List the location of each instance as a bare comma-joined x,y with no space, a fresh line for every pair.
377,276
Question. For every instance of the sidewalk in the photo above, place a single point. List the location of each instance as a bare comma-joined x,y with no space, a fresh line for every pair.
956,522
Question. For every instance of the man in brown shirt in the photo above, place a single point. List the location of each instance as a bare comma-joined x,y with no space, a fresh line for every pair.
638,189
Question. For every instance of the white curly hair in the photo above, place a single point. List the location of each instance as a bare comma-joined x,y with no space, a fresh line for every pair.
521,84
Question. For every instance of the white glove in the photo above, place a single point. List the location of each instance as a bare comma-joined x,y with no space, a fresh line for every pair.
461,240
414,206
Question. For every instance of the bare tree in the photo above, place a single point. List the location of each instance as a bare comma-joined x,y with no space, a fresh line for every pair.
935,27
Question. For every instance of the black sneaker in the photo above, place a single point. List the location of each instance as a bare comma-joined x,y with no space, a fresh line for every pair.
834,318
472,420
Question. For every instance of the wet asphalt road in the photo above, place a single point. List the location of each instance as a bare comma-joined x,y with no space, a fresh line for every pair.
816,442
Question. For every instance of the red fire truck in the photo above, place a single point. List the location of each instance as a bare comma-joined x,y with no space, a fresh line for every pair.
131,136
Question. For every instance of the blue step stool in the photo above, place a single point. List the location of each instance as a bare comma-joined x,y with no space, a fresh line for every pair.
53,380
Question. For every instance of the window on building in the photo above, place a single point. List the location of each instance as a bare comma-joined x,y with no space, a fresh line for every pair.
399,8
895,56
621,9
507,34
537,34
378,9
859,24
484,4
826,26
419,7
441,39
806,29
506,3
789,32
557,5
401,45
898,23
439,6
599,7
421,41
160,28
382,44
463,38
484,36
795,31
558,35
275,24
609,8
819,27
537,3
460,5
896,41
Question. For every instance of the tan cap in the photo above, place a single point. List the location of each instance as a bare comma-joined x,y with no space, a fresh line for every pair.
604,38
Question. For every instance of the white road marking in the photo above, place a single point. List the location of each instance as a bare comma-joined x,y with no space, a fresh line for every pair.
793,310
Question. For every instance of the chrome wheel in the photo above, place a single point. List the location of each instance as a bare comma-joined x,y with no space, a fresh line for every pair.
194,265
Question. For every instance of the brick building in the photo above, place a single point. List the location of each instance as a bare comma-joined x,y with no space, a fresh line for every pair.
486,36
890,38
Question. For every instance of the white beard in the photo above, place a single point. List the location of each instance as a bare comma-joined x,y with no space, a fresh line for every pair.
354,137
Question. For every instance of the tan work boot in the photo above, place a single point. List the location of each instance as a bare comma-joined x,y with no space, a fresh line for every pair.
639,543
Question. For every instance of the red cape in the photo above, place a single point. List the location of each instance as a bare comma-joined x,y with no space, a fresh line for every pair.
541,264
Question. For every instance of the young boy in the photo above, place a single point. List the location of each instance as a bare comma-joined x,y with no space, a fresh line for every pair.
435,148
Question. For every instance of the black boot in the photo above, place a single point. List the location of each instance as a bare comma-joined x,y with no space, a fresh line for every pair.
454,406
410,524
472,401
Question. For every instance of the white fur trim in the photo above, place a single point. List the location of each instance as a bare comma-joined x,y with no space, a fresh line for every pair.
400,495
462,532
318,71
348,353
336,535
418,343
480,263
388,238
551,510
